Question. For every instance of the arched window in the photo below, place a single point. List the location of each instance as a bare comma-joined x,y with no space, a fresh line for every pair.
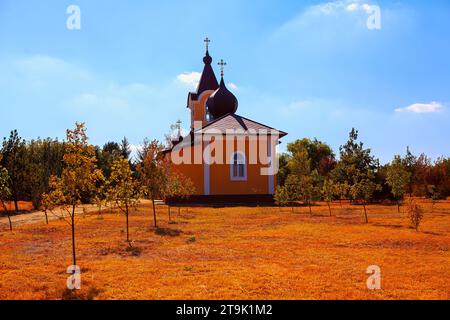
238,170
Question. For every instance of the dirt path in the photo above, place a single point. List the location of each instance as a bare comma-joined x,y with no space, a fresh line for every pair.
39,216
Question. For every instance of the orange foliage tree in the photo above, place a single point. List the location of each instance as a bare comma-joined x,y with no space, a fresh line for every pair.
152,172
78,178
122,188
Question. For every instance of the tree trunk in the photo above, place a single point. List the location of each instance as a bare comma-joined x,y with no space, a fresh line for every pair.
16,205
310,210
46,216
154,212
168,207
365,212
329,207
126,215
398,206
9,217
73,237
179,211
10,223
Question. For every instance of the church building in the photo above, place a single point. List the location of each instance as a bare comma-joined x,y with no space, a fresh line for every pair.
228,157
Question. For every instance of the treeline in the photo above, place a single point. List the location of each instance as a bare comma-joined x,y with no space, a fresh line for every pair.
30,165
310,171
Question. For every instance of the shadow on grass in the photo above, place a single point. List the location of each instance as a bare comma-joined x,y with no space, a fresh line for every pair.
91,294
168,232
124,251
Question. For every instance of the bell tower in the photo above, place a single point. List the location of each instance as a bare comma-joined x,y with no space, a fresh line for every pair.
207,85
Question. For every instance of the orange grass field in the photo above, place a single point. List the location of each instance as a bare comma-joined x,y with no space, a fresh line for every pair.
233,253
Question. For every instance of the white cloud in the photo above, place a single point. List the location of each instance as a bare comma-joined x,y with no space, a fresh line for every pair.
422,108
105,102
340,5
191,79
232,86
296,107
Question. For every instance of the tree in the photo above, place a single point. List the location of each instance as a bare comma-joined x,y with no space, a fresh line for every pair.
320,155
307,189
409,163
5,192
43,158
342,190
123,189
398,179
283,169
152,172
47,204
415,213
179,187
107,155
282,196
358,168
100,198
328,192
363,190
125,148
12,152
78,178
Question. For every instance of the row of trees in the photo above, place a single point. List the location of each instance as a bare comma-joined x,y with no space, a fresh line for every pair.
309,171
87,174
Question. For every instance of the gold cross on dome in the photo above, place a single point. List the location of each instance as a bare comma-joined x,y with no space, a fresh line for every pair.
222,65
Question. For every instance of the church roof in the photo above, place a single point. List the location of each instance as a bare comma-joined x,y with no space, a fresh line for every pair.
235,122
208,80
227,122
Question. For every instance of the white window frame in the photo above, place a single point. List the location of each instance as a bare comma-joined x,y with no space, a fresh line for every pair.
232,176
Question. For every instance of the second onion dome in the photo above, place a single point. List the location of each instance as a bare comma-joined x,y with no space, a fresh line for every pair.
222,101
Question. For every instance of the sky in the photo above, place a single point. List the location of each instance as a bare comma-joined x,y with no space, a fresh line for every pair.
310,68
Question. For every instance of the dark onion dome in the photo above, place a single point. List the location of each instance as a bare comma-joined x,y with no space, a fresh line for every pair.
221,102
208,80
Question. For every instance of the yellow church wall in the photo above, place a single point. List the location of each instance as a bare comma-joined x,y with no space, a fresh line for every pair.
193,171
198,109
221,182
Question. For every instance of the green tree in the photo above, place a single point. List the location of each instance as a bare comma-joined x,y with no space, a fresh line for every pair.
329,192
308,189
398,179
125,148
320,155
342,190
358,168
283,169
152,172
79,176
12,151
409,163
282,196
179,187
123,189
363,189
5,191
43,158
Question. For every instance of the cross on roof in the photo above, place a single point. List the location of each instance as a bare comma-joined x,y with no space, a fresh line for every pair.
207,41
178,126
222,65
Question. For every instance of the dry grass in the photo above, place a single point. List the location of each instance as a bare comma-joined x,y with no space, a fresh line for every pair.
233,253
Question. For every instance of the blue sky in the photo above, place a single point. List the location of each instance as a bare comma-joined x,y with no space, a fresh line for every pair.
311,68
